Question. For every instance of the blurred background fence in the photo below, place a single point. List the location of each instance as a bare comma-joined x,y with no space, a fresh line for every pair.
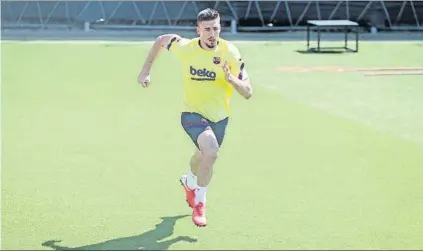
180,15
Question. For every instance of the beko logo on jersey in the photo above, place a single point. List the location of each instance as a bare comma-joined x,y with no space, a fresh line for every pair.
202,74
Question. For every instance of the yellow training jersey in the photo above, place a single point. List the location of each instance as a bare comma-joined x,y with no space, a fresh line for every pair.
205,88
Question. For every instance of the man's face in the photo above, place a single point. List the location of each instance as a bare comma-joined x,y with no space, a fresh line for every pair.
209,32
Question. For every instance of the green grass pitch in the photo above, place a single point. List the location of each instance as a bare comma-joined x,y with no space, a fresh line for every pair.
315,160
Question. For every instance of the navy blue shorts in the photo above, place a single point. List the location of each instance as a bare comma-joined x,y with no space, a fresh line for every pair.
194,124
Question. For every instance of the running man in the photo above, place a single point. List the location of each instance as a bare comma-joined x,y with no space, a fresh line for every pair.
211,67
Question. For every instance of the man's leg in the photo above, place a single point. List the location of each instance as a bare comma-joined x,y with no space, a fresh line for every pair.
209,143
195,160
189,180
208,137
193,124
209,148
192,175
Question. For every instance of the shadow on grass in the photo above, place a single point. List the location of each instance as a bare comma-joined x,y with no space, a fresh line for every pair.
150,240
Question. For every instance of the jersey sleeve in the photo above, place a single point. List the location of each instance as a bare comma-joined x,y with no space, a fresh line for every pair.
237,63
176,45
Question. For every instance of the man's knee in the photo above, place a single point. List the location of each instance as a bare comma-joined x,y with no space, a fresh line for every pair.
208,144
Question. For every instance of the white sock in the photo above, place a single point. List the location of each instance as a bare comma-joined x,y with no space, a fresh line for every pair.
200,195
191,181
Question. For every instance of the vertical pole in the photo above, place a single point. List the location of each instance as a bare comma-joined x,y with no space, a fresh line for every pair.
318,38
308,36
356,38
346,37
86,26
233,26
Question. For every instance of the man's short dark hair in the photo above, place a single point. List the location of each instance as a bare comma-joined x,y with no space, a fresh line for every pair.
207,15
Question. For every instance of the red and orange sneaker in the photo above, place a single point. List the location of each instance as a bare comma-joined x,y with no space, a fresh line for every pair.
199,215
189,194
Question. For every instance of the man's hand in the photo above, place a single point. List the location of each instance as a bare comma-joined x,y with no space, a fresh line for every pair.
228,75
144,79
243,87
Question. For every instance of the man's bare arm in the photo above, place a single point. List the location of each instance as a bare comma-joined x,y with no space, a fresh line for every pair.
243,87
161,41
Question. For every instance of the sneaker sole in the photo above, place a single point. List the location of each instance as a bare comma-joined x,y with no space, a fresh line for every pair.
182,184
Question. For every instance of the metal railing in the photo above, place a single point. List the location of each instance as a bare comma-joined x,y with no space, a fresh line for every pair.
247,15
